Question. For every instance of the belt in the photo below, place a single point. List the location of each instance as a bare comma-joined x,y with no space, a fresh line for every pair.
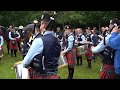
45,74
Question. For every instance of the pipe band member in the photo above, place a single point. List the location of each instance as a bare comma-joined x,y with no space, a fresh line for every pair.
47,48
70,51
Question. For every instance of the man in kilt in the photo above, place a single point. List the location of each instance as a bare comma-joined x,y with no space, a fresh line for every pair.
13,41
107,71
70,51
42,57
88,52
80,41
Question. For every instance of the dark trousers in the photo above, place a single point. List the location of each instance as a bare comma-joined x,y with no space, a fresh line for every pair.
79,58
13,51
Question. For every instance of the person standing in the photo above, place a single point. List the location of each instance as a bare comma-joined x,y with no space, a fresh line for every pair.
13,41
115,44
80,41
47,48
70,51
107,71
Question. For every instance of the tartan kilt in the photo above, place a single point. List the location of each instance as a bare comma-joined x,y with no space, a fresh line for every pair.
13,46
71,57
108,72
34,75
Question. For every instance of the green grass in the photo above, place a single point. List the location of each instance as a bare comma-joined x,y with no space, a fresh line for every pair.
81,72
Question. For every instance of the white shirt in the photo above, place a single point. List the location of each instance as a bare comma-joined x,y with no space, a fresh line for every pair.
100,47
36,48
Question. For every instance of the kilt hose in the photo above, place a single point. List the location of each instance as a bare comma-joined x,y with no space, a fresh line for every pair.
35,75
108,72
71,57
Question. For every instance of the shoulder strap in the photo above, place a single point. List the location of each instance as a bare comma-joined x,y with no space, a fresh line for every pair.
104,35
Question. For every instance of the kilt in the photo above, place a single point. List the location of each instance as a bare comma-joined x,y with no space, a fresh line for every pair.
34,75
108,72
71,57
13,46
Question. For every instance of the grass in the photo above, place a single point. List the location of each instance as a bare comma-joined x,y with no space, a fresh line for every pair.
81,72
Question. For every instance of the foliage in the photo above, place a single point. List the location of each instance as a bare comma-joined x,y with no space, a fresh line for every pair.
75,18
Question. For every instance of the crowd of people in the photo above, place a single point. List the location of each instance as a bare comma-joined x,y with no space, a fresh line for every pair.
42,50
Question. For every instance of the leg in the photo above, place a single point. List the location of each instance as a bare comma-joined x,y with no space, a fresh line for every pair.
15,51
89,63
80,60
77,60
11,52
19,47
71,72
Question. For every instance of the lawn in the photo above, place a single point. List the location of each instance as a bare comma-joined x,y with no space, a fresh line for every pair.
81,72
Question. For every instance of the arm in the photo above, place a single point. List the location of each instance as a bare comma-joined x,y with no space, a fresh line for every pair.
83,39
36,48
114,41
100,47
70,43
2,41
10,36
18,35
